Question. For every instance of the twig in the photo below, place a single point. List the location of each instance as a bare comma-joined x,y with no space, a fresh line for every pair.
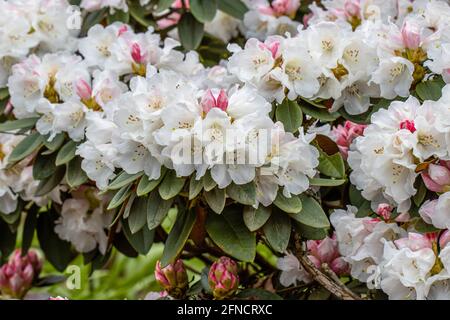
330,283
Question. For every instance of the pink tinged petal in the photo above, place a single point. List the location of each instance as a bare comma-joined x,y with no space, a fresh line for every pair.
327,250
444,239
208,101
274,48
222,100
439,174
430,184
408,125
316,261
384,210
8,108
411,35
340,266
427,210
403,217
307,18
84,90
266,10
352,8
122,30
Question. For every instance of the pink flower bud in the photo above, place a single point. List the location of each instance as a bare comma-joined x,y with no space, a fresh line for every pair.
173,278
340,266
223,278
122,30
209,101
384,210
18,274
411,34
344,135
307,18
169,21
439,174
285,7
408,125
326,252
83,89
352,8
136,53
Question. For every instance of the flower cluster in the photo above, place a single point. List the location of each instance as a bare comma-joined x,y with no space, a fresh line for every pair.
332,60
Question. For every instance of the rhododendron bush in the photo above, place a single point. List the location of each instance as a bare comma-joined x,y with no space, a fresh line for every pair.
252,149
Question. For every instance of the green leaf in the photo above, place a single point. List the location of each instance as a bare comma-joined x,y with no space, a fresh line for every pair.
13,217
319,113
195,187
55,144
289,205
26,147
143,17
178,236
311,214
332,166
58,252
208,182
142,240
91,19
7,240
75,176
230,234
157,210
357,200
66,153
290,114
120,16
430,90
47,185
190,32
171,185
120,197
423,227
278,231
4,93
203,10
146,186
138,214
29,227
164,5
216,199
258,294
420,194
22,124
321,182
310,233
124,179
44,166
256,218
245,194
235,8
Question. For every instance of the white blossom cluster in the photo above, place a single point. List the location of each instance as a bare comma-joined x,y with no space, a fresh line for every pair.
37,26
333,60
390,256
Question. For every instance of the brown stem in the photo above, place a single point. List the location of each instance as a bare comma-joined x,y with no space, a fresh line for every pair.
329,281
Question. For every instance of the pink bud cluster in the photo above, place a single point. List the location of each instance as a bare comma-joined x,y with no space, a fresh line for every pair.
345,134
18,274
326,252
173,278
223,278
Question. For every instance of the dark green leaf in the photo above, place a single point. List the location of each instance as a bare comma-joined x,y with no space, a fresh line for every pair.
216,199
357,200
208,182
319,113
308,232
332,166
157,210
26,147
164,4
124,179
142,16
23,124
311,214
55,144
235,8
120,16
91,19
138,214
29,227
7,240
278,231
119,197
203,10
75,176
320,182
256,218
290,114
230,234
289,205
58,252
420,194
171,185
146,186
190,32
178,236
47,185
245,194
195,186
66,153
258,294
142,240
44,166
430,90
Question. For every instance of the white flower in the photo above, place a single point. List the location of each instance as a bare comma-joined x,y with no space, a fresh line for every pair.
394,76
291,271
223,26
